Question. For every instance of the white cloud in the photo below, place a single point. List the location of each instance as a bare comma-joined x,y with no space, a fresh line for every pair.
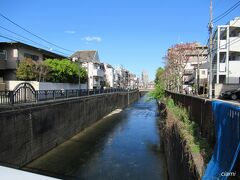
70,31
92,39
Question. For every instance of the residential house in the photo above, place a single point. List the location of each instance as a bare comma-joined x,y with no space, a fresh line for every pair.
119,74
151,85
95,69
126,78
117,78
199,78
196,57
226,53
109,75
11,53
133,81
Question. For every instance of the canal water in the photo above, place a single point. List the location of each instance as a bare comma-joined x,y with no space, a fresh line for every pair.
124,145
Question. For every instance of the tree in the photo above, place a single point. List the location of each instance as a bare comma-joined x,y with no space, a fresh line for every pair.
159,91
26,70
65,71
176,61
159,75
53,70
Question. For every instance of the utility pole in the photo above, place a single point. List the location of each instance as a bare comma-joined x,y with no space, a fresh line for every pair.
210,28
198,72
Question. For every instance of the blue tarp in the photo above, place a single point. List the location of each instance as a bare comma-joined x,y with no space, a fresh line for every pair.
227,147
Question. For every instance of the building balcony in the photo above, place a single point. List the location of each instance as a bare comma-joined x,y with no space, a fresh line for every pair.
222,67
98,72
234,44
96,84
2,64
8,64
222,44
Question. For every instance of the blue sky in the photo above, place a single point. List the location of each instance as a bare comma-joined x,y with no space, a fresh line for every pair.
132,33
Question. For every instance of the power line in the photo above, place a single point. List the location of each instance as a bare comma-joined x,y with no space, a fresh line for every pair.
11,38
218,18
33,33
24,37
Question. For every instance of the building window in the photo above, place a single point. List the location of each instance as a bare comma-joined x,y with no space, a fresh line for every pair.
223,33
3,55
203,72
222,57
232,58
15,53
31,56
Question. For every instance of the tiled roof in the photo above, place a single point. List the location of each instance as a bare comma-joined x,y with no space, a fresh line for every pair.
86,56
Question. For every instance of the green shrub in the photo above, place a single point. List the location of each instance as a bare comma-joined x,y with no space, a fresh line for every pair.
52,70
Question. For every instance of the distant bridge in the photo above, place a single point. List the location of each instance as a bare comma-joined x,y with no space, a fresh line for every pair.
146,89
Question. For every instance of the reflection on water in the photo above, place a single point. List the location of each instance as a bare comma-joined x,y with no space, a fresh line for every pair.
122,146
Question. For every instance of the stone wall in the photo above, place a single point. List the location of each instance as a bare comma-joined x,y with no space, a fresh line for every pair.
29,131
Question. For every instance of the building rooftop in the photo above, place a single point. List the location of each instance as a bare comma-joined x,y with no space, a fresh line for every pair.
86,56
234,22
204,65
108,65
20,44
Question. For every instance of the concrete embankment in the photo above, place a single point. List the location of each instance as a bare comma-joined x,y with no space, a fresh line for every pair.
201,112
29,131
182,162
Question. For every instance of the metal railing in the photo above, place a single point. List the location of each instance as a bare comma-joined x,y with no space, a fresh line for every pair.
25,96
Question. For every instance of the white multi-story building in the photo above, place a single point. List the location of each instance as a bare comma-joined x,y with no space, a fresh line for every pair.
109,75
121,77
144,79
125,79
226,53
118,77
95,69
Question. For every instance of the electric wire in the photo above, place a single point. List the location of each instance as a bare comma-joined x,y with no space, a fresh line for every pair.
24,37
218,18
14,39
34,34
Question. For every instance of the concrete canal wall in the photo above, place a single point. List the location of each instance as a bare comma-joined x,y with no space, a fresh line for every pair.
29,131
184,163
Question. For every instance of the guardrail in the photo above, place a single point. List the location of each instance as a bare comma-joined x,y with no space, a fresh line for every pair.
26,96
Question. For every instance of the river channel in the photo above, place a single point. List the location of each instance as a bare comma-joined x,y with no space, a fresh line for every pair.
124,145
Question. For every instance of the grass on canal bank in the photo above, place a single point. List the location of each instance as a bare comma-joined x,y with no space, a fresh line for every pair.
189,130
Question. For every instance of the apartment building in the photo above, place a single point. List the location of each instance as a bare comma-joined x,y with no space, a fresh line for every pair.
226,53
95,69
